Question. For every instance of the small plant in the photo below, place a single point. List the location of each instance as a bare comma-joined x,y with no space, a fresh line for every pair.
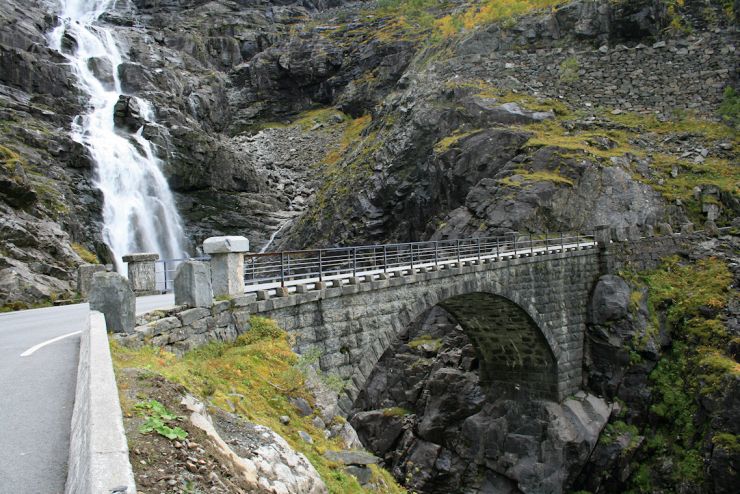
84,253
157,419
569,70
729,110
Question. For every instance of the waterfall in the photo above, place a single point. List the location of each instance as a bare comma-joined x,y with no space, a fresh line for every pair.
139,213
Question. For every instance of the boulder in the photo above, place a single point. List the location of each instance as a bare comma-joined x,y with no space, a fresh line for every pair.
610,300
111,294
127,113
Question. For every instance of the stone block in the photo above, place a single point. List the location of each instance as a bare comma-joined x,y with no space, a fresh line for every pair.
84,277
263,295
193,284
111,294
226,245
220,306
243,300
191,315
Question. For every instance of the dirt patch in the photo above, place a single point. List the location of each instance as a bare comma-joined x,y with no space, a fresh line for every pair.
163,465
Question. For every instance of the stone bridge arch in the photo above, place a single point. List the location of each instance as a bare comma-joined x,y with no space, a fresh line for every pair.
545,301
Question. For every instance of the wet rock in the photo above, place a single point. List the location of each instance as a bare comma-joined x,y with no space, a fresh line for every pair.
127,113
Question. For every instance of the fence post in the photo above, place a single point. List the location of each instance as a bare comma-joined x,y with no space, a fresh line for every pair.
282,269
478,245
436,255
531,246
578,242
457,244
354,261
321,270
515,239
562,243
385,258
411,249
547,250
497,249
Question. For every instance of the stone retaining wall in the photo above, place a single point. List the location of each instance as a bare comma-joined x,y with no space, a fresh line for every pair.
688,73
98,451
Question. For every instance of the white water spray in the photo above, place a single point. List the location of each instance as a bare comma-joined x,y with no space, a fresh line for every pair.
139,212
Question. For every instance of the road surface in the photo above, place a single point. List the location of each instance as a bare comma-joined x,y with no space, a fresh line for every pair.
39,352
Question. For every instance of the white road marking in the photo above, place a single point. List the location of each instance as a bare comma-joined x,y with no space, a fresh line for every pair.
47,342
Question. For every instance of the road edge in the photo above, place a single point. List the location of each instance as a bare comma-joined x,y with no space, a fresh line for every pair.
98,450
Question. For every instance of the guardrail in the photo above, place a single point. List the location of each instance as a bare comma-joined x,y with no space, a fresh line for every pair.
287,268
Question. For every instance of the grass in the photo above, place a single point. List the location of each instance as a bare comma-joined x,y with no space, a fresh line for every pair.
526,178
256,375
485,12
85,254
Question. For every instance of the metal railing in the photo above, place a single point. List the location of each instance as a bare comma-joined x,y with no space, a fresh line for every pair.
164,271
339,265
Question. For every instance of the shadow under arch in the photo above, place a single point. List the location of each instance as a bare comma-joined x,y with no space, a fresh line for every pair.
516,359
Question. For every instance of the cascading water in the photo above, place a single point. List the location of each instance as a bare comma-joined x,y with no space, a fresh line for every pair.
139,212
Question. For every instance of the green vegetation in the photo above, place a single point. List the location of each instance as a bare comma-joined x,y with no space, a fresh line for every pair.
729,110
686,295
85,254
158,419
614,430
525,178
426,340
450,141
569,70
396,412
255,375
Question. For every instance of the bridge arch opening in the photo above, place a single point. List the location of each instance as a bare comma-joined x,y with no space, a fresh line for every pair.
515,358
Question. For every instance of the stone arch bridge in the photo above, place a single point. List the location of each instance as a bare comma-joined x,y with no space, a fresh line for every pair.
525,312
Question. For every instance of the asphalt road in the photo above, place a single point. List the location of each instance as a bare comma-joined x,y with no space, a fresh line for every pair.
37,393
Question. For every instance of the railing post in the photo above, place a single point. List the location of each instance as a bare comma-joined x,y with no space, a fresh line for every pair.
227,264
282,269
562,243
321,270
165,275
497,249
141,272
354,261
457,243
385,258
478,245
578,242
515,239
547,250
531,246
436,255
411,249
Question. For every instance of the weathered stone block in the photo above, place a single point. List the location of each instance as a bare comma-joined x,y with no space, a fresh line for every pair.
193,284
225,245
84,277
111,294
189,316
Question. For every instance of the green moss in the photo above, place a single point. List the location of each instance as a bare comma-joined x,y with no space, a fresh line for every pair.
396,412
730,442
614,430
569,70
425,339
450,141
729,110
525,177
262,368
85,254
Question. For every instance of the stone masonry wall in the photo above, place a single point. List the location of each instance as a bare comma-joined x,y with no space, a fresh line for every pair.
353,325
688,73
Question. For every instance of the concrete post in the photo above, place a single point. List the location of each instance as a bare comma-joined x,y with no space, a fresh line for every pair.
111,294
227,264
193,285
141,273
84,277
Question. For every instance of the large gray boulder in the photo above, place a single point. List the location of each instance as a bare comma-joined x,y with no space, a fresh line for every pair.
193,284
111,294
610,300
